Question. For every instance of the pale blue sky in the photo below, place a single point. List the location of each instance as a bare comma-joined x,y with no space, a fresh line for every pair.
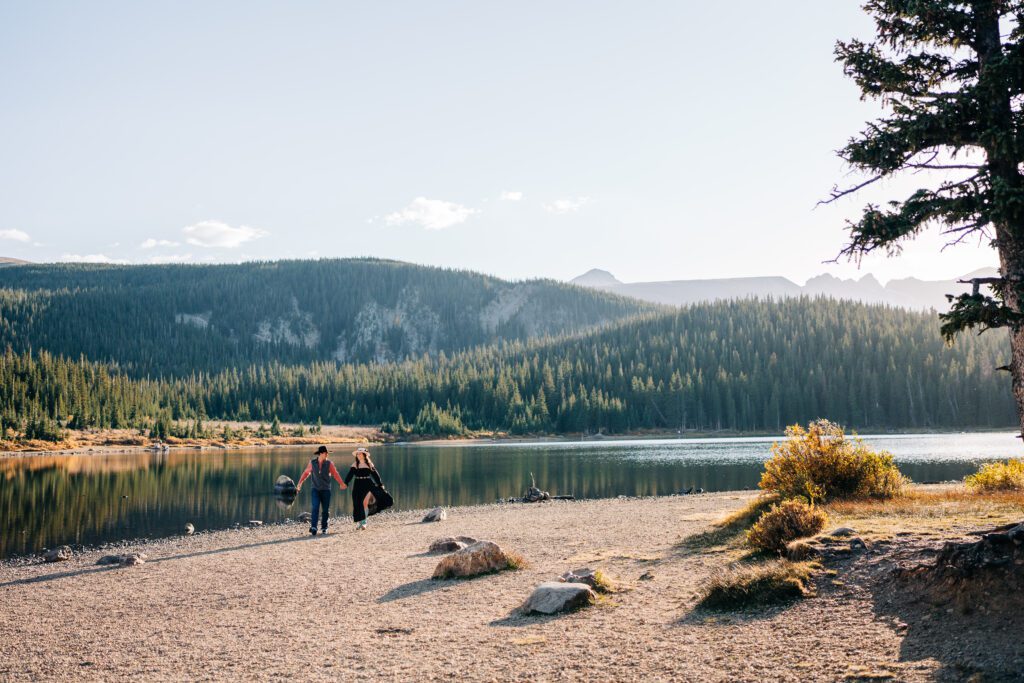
656,139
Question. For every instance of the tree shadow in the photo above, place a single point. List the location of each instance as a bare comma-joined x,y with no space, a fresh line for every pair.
156,560
980,644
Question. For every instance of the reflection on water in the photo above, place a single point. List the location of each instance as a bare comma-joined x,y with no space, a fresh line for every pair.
90,499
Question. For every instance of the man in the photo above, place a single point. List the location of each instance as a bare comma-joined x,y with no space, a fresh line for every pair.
321,470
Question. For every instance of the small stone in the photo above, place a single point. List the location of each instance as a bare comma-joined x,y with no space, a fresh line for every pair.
552,597
255,522
647,576
189,529
843,531
125,560
61,554
132,559
446,545
305,517
438,514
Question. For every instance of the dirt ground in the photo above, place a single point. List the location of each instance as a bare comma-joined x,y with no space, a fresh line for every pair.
274,603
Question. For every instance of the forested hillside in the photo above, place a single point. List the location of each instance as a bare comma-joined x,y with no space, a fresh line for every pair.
177,319
748,365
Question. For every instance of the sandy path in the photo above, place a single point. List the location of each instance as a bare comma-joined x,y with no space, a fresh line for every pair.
274,603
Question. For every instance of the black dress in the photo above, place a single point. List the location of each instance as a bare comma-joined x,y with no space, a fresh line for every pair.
366,480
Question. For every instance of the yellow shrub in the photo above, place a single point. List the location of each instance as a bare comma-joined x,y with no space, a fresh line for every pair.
820,463
998,476
785,522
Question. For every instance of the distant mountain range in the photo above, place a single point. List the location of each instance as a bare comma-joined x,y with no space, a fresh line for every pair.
906,292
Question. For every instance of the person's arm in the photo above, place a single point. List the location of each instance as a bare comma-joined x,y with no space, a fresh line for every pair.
351,473
337,477
306,473
376,477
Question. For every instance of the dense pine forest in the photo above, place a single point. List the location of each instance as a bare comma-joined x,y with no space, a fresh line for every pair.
746,365
178,319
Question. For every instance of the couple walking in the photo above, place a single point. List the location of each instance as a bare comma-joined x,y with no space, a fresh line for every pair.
368,493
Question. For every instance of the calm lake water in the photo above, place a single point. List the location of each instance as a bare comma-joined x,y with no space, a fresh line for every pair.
47,501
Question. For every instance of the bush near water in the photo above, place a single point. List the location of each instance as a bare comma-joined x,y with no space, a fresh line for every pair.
820,463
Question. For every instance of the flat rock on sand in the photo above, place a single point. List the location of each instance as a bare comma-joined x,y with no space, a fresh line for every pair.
555,596
242,604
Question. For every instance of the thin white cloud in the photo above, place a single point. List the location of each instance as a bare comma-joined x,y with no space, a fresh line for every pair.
432,214
90,258
567,205
218,234
171,258
151,243
14,235
510,196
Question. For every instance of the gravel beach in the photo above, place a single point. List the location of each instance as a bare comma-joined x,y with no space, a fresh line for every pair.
274,603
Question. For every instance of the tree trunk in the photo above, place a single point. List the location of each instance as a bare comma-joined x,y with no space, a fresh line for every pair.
1000,151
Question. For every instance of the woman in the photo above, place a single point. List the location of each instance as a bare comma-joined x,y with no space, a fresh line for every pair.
368,494
322,471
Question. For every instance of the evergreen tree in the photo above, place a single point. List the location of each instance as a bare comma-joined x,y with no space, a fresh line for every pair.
951,74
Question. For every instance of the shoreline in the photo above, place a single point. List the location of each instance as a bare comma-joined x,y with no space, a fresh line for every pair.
358,435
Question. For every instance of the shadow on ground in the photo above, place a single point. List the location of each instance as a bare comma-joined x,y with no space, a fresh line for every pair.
983,644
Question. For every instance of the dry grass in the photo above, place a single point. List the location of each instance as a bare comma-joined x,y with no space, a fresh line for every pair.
998,476
931,502
732,527
930,510
757,585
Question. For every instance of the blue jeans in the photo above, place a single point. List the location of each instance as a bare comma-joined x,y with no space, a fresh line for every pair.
321,507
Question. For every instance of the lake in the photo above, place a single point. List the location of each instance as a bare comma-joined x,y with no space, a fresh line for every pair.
47,501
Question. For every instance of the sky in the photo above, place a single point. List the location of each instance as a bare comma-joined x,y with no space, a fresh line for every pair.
659,140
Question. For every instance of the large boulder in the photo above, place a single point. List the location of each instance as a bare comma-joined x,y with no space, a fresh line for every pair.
61,554
552,597
483,557
438,514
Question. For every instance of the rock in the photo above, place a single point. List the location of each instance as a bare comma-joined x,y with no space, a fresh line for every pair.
552,597
843,531
305,517
446,545
587,576
535,495
189,529
647,576
857,543
438,514
61,554
284,483
480,558
132,559
126,560
699,490
686,492
468,540
255,522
